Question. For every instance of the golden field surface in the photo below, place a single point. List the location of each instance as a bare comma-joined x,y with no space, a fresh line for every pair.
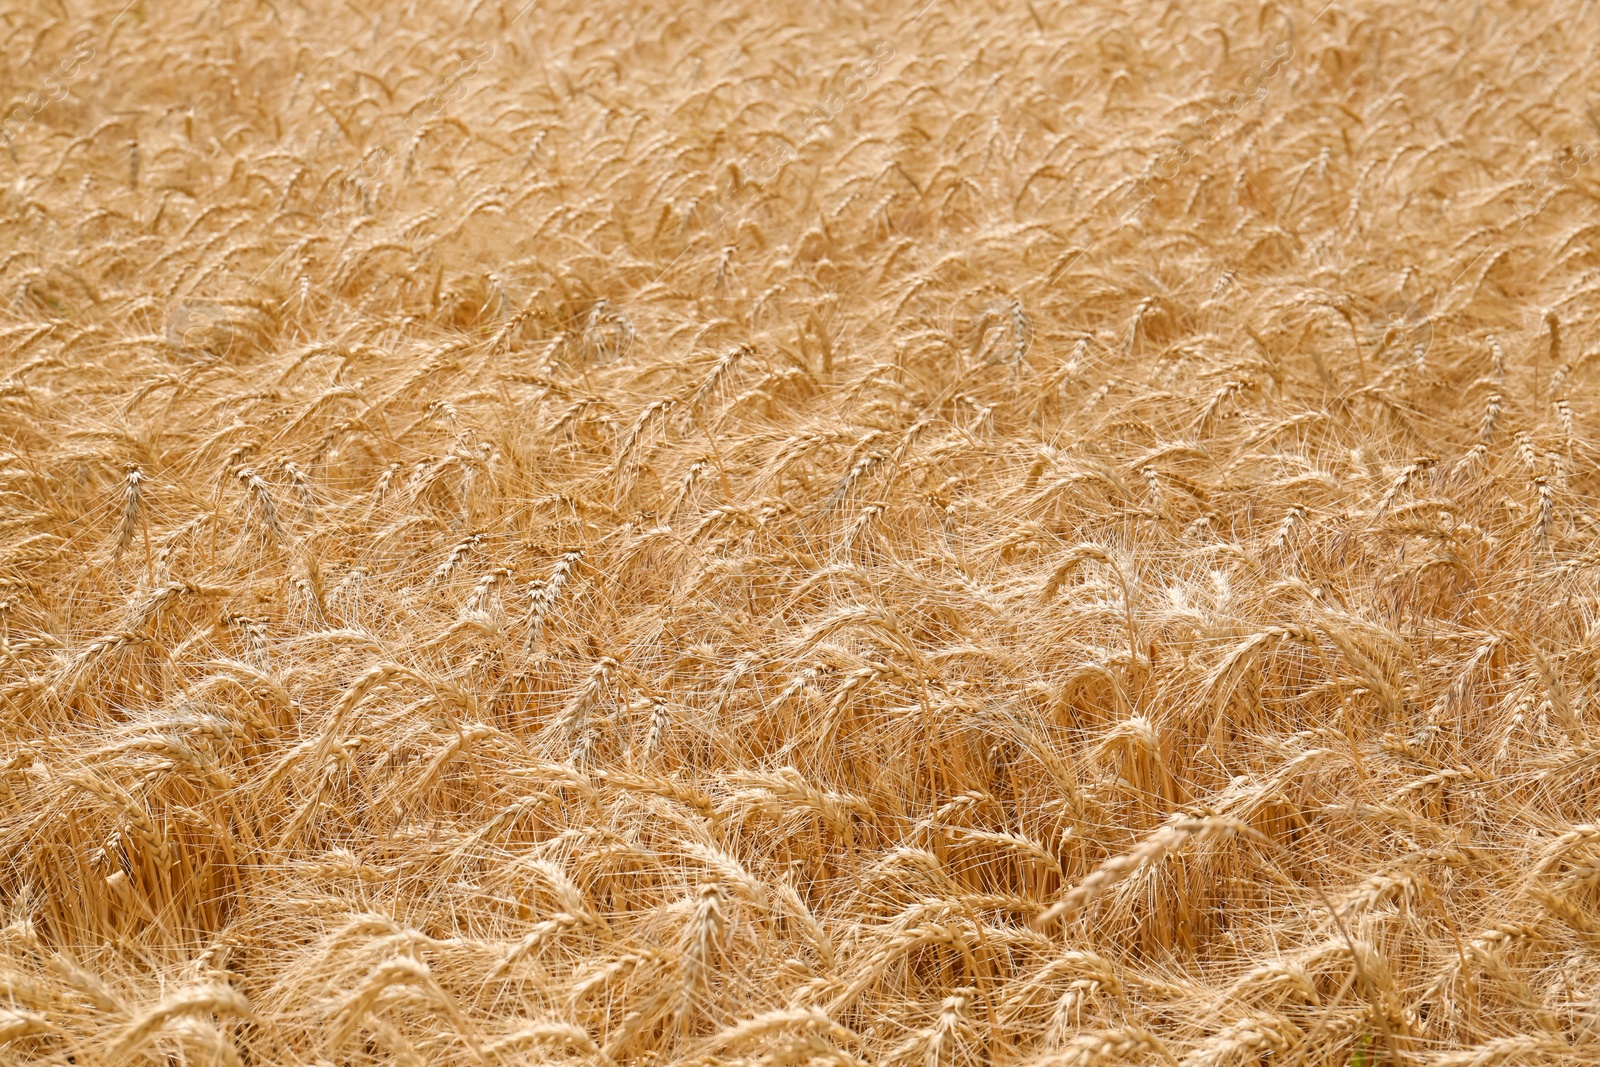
639,532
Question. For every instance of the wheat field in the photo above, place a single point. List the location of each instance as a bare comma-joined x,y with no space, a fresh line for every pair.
1041,533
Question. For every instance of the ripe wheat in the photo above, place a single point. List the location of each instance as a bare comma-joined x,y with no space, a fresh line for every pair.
627,533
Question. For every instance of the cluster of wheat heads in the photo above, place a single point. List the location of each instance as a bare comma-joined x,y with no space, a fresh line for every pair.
767,533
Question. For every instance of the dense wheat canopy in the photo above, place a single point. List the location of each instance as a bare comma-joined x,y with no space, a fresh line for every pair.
634,532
